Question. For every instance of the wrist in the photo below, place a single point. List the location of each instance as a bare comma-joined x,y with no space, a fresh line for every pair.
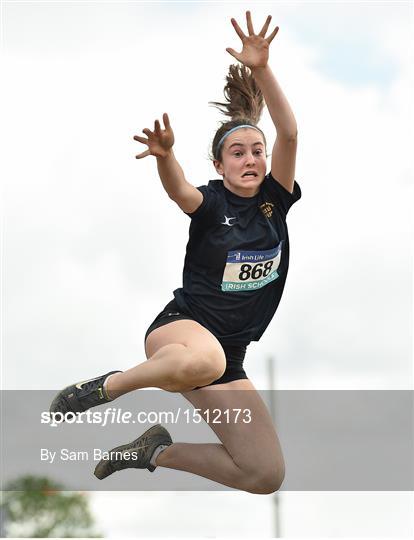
257,71
167,154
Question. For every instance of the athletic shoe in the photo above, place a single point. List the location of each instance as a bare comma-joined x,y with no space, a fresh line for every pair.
137,454
82,396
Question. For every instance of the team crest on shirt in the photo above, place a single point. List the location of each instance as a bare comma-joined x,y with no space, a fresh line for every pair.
267,209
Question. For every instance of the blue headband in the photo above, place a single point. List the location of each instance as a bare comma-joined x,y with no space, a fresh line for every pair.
231,131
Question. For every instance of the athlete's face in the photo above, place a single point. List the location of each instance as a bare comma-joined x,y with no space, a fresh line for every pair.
243,151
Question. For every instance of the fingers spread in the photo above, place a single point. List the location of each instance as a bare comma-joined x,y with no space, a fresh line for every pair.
147,132
143,154
239,31
233,53
166,121
141,139
157,128
272,35
249,23
265,26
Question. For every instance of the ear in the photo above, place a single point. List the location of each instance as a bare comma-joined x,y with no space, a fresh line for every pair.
218,166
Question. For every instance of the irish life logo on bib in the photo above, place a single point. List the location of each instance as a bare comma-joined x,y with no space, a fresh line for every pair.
250,270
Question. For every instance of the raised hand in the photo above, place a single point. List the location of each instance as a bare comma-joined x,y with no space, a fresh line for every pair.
159,141
255,52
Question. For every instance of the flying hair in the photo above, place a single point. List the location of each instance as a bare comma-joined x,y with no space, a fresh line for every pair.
244,99
244,104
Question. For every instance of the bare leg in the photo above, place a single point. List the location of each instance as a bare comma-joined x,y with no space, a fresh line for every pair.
181,355
250,457
161,371
209,460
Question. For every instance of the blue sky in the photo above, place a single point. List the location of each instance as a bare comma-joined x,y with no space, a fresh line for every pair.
348,40
346,36
354,63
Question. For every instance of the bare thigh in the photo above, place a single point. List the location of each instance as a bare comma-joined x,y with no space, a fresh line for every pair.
254,444
196,354
184,332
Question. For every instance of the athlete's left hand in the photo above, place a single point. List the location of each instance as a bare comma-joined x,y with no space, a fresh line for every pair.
255,51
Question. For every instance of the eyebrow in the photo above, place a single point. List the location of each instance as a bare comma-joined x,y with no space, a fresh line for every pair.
241,144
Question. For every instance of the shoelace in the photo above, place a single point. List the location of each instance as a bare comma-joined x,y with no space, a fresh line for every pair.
90,386
141,449
120,464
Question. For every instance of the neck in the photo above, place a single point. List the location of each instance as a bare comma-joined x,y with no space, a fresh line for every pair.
241,192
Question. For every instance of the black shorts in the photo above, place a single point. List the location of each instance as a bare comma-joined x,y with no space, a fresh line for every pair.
234,353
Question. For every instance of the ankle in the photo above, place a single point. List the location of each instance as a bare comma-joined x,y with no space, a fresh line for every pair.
110,386
160,457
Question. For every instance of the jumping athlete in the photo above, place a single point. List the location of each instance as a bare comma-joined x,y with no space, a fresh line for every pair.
234,273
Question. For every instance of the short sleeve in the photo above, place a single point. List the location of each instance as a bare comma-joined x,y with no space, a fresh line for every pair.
208,208
281,195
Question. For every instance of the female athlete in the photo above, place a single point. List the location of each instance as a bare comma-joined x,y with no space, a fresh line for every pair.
234,274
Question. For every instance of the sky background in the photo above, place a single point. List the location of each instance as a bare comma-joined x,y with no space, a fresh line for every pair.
85,226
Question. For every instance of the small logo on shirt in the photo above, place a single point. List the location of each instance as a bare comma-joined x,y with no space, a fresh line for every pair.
227,221
267,209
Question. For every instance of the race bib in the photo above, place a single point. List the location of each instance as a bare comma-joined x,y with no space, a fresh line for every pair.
248,270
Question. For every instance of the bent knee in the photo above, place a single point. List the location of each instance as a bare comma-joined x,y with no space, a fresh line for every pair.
203,367
267,481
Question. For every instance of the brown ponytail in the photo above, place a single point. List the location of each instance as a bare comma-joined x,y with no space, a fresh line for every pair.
244,104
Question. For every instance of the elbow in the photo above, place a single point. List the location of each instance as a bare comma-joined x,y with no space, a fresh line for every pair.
290,136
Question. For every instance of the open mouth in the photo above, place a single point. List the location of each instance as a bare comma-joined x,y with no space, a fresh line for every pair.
249,174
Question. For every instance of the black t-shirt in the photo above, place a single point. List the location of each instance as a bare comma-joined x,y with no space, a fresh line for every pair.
237,260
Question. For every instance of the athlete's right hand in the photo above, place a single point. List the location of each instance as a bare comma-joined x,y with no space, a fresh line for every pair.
159,142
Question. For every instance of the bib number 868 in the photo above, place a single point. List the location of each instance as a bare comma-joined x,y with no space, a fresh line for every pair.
256,271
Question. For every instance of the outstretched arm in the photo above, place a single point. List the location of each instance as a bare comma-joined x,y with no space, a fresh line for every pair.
160,143
255,55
